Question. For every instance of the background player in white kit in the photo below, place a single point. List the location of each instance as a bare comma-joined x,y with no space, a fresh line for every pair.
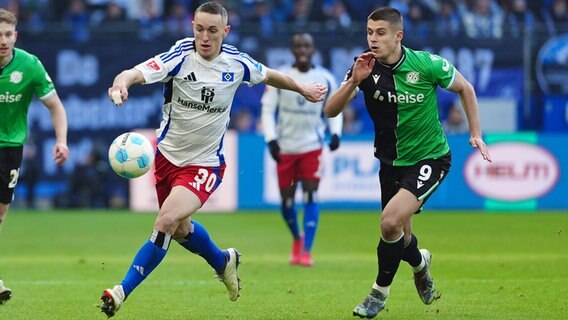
294,130
201,77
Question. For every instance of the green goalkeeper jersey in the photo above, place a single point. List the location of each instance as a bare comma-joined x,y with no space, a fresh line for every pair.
402,102
20,80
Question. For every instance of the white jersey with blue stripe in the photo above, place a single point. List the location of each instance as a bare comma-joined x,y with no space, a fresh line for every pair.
297,124
198,97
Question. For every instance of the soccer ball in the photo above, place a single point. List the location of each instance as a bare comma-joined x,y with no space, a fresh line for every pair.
131,155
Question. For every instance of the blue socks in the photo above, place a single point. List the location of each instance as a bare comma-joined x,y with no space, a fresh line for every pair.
154,250
146,260
200,243
290,216
311,218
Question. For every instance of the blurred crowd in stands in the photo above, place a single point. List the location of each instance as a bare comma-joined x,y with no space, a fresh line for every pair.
152,18
80,20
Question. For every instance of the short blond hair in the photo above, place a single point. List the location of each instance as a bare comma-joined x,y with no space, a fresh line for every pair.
8,17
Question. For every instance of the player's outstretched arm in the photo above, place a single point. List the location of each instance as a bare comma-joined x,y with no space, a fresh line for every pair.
60,150
313,92
361,70
118,93
339,99
469,102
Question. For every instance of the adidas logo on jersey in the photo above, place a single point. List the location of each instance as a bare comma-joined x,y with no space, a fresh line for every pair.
190,77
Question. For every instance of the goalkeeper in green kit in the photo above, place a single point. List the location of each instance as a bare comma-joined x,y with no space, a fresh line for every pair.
399,85
21,77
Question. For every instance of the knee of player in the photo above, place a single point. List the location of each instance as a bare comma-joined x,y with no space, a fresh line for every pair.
3,211
390,227
181,232
167,222
287,202
310,196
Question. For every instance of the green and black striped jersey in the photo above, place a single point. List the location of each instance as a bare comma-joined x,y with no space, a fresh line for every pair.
402,102
20,80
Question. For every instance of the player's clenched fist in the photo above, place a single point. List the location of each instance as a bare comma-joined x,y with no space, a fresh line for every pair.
118,94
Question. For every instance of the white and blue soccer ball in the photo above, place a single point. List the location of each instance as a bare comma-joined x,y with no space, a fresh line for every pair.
131,155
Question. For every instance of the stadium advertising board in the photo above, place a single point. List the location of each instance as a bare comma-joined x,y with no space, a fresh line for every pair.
519,171
349,174
526,169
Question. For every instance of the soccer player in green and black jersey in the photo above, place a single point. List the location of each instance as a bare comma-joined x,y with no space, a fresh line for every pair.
21,77
399,85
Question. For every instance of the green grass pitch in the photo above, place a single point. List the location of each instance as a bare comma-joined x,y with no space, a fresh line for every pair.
487,266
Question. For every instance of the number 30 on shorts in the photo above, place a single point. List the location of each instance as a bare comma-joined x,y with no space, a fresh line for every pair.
203,177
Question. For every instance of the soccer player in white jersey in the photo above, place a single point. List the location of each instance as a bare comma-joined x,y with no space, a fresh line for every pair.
22,76
294,130
201,76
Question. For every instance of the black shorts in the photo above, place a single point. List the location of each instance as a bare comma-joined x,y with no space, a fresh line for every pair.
10,163
420,179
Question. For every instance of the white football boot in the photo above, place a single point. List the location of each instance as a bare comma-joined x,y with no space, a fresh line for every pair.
112,300
230,277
